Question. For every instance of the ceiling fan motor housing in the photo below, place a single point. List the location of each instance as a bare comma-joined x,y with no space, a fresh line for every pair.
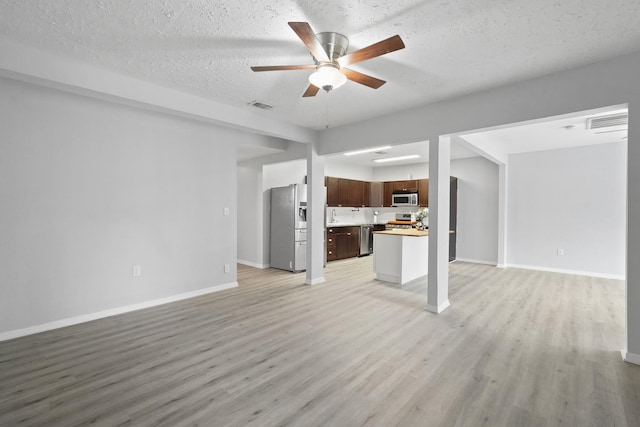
335,44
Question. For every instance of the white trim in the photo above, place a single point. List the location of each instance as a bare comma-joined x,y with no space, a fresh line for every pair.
563,271
501,265
253,264
314,281
476,261
630,357
439,309
111,312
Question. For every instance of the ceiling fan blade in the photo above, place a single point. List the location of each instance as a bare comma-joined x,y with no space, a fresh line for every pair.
283,67
385,46
308,37
311,91
361,78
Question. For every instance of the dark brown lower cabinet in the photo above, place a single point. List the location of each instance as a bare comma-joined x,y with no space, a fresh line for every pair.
331,245
342,242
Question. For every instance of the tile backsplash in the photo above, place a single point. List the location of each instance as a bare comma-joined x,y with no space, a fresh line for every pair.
365,215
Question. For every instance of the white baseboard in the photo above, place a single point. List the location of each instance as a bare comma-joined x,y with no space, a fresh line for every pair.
438,309
563,271
388,278
253,264
630,357
111,312
316,281
475,261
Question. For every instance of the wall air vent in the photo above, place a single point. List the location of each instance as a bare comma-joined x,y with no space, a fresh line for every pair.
608,121
261,105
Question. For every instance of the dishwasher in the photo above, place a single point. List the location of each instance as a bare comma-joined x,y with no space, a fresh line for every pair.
366,240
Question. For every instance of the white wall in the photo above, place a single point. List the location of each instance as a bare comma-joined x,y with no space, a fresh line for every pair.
335,167
571,199
400,173
477,239
90,188
250,216
283,174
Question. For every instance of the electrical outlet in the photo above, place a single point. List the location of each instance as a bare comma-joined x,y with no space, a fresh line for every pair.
226,268
560,252
225,211
137,271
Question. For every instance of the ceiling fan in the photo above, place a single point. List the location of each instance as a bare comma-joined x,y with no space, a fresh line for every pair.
329,54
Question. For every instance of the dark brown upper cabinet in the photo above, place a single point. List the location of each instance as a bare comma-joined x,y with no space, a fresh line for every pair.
423,193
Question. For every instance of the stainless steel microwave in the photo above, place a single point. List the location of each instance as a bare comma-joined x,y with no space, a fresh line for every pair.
404,198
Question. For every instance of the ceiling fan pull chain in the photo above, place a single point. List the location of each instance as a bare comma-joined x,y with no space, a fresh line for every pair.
326,109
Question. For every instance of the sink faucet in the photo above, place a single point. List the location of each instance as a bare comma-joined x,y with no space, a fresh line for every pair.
333,215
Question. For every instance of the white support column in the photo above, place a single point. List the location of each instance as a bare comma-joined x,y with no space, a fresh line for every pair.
631,352
439,186
502,214
315,216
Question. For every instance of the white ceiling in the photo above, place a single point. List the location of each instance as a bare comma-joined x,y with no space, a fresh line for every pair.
548,134
417,148
206,47
551,134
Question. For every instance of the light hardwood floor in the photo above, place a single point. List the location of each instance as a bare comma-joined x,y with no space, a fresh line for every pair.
516,348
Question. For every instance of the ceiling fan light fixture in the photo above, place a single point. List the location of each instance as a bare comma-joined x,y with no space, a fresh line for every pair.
394,159
327,77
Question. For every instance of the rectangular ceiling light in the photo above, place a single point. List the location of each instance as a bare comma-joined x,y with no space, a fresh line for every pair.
368,150
394,159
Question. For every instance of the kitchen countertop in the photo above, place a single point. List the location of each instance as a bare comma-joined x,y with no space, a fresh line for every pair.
411,232
351,224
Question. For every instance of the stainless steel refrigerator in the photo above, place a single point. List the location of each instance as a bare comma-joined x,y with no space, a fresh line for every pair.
289,227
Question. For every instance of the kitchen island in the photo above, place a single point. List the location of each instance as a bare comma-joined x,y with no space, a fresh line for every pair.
400,255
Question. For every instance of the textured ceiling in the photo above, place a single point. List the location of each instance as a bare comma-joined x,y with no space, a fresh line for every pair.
206,47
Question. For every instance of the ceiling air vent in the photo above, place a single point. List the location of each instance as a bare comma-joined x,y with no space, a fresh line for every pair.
608,121
261,105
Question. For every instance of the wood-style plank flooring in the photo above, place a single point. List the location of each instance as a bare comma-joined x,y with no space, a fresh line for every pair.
516,348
